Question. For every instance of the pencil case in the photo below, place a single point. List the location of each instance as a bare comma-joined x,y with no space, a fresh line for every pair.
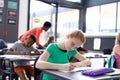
96,72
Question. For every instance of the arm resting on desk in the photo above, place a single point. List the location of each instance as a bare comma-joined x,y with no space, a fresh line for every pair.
82,61
10,51
66,67
47,65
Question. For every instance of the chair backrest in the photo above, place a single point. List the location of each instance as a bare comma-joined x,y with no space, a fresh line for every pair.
37,72
4,50
107,51
5,69
111,62
3,46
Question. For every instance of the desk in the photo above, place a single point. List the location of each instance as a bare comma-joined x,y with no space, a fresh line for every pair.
97,56
12,58
77,75
41,50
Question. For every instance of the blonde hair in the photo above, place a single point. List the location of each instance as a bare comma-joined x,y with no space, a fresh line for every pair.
78,34
117,40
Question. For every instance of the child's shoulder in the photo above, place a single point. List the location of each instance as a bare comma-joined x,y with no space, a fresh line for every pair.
116,47
52,44
17,43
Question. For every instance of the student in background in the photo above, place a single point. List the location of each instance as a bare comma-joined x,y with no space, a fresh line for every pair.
81,50
37,32
116,50
25,48
51,39
57,55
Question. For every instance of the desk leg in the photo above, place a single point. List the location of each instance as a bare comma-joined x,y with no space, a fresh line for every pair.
2,63
11,70
105,62
41,75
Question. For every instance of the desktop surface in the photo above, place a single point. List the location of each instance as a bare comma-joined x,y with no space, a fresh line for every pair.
77,75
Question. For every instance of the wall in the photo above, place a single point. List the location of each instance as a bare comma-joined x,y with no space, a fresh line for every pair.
23,16
107,42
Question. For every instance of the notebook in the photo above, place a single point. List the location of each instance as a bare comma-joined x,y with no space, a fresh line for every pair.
116,72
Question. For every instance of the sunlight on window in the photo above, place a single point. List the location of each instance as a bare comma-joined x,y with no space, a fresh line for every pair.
40,11
101,19
108,18
36,6
67,21
118,21
92,19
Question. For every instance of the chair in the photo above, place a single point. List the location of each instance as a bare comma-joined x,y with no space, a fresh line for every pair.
37,72
111,62
7,69
2,44
107,52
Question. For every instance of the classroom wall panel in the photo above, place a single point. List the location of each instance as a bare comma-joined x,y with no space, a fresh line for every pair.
9,20
106,42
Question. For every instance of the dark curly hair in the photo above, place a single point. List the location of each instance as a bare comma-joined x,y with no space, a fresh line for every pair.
32,37
47,24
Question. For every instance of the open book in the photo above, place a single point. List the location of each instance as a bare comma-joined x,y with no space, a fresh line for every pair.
116,72
79,69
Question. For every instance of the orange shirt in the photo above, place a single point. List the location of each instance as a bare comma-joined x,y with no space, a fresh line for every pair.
35,31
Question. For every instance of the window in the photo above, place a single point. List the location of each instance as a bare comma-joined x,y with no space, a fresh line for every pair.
67,20
39,13
108,18
118,21
101,19
92,19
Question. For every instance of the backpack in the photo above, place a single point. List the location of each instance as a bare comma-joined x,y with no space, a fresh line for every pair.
2,44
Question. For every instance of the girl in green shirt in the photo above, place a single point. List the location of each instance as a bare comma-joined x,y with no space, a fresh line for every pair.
57,55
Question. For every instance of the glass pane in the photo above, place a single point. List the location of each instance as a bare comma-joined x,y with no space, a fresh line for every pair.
92,19
118,21
67,20
40,12
108,18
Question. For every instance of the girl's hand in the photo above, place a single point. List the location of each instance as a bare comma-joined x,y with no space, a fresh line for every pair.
22,53
67,67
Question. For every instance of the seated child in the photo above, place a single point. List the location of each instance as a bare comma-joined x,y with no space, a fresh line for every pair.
22,68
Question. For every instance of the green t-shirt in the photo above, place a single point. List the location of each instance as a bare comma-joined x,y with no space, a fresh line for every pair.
57,56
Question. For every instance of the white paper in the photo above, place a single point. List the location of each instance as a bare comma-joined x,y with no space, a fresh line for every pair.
97,43
78,69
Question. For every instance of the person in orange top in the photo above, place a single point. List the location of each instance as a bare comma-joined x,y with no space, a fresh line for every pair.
36,32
